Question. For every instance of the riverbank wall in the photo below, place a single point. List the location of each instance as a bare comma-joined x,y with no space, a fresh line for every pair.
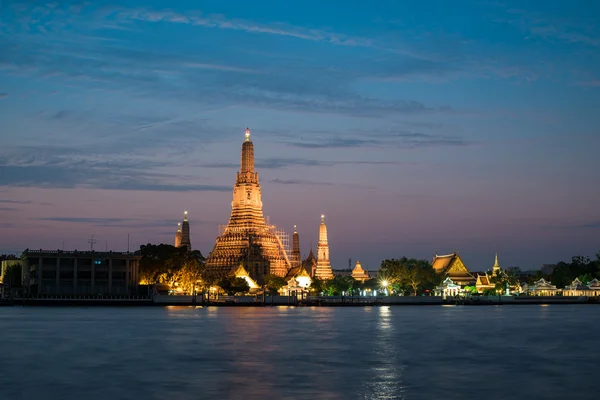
316,301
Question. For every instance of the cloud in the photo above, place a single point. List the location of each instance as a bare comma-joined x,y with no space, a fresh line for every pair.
8,209
16,201
93,174
82,220
218,21
3,95
317,183
275,163
385,138
589,225
592,83
300,182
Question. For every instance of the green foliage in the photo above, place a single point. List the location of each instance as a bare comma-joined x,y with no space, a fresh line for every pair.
164,263
582,267
503,278
339,285
232,285
318,286
12,276
409,275
274,283
471,289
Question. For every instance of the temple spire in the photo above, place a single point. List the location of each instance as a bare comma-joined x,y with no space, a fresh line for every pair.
295,259
323,270
185,232
247,162
496,266
178,235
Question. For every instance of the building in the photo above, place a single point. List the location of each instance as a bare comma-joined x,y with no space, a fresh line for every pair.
295,259
452,266
359,273
541,288
310,263
323,270
447,289
80,272
484,281
247,239
178,235
577,288
298,279
185,232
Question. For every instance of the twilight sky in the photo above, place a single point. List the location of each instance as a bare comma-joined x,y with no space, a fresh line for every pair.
414,126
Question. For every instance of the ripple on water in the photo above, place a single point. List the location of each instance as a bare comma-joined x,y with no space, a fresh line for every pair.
299,353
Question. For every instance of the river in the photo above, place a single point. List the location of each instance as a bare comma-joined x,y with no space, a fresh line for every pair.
403,352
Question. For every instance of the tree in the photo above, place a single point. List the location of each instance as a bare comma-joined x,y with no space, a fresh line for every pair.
168,264
274,283
409,275
232,285
318,286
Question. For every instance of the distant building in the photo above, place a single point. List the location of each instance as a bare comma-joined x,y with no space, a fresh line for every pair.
541,288
310,263
578,288
295,259
359,273
178,235
452,266
185,232
323,270
80,272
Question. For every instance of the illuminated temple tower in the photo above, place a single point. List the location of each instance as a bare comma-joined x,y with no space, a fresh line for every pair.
295,258
178,235
185,233
247,239
323,270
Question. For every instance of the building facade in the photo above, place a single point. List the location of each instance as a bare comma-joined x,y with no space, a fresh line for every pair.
247,239
452,266
80,272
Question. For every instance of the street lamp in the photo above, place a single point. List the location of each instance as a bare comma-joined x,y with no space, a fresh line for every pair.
385,284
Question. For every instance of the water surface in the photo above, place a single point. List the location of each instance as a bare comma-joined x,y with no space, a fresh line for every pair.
408,352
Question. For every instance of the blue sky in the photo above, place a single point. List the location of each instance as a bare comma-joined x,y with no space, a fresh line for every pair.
415,126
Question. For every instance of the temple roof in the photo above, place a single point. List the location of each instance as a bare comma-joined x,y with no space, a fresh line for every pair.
440,263
483,280
296,271
452,265
358,271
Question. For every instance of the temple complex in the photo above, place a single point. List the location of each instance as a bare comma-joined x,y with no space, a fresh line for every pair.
247,239
359,274
178,235
451,265
323,270
295,258
185,232
484,281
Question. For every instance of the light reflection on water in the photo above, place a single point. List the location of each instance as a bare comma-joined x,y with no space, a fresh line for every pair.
299,353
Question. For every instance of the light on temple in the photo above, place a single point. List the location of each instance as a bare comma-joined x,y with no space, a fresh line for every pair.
247,133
